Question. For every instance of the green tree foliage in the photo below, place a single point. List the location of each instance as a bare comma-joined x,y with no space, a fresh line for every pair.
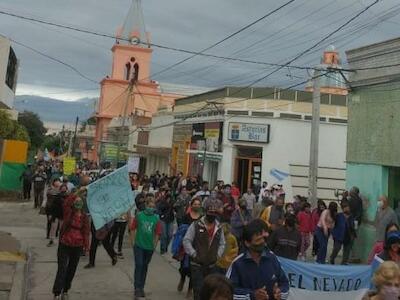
11,129
57,142
34,126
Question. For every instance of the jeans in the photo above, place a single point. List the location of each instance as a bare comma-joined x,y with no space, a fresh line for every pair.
95,242
67,259
166,236
198,273
142,260
337,245
118,230
322,245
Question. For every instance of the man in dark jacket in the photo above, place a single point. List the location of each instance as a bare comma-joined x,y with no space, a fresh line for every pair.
166,212
26,178
204,242
39,183
356,204
256,274
286,240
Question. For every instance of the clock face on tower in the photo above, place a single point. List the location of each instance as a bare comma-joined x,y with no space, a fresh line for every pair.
135,40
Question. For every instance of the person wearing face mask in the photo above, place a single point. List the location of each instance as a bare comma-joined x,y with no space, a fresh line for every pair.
391,250
181,204
286,240
387,283
384,216
145,232
74,238
378,248
274,215
240,218
194,213
204,242
256,273
229,204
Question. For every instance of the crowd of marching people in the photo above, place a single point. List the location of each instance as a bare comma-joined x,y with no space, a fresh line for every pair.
208,230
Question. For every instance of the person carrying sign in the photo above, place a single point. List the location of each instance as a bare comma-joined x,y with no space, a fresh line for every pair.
145,232
257,274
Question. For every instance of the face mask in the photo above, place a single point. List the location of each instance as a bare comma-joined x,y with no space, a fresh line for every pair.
150,210
78,204
196,209
210,218
390,292
257,248
380,204
243,207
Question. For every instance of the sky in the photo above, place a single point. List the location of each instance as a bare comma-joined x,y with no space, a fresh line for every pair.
191,25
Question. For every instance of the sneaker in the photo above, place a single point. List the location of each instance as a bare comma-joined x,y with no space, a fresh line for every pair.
139,294
50,243
120,255
88,266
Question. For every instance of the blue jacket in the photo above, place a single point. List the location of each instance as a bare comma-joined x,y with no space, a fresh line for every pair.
247,276
344,229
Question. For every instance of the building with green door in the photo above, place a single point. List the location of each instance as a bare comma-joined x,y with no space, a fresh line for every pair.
373,136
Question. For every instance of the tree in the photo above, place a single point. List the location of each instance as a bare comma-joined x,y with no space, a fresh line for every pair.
10,129
57,142
34,126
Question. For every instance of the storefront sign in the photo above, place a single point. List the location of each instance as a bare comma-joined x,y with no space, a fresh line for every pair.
258,133
211,133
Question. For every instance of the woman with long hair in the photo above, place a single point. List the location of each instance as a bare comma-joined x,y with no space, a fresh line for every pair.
324,228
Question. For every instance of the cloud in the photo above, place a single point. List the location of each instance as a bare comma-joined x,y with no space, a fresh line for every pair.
188,24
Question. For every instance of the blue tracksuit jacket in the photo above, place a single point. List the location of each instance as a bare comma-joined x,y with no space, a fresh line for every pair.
247,276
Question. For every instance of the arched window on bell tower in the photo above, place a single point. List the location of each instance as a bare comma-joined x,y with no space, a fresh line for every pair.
127,74
136,70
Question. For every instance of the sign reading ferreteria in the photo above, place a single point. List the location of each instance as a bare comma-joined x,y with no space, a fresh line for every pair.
247,132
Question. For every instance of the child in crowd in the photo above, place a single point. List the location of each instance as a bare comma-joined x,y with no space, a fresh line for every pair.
305,228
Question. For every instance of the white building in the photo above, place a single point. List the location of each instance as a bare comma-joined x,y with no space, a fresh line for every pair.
8,76
260,134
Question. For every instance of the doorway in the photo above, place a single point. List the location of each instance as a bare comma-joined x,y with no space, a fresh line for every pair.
394,187
248,168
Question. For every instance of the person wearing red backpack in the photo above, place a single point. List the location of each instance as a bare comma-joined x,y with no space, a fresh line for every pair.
74,239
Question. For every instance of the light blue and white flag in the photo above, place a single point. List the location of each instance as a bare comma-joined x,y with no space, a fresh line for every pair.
109,197
309,281
279,175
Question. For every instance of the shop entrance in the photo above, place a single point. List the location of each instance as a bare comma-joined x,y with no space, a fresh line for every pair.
248,168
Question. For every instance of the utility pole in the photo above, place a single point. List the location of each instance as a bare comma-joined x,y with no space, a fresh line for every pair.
132,82
75,131
313,171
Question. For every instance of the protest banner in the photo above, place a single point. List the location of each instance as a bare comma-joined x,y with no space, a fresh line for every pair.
133,164
69,165
310,281
109,197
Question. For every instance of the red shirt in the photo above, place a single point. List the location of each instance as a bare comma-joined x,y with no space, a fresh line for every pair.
305,222
75,228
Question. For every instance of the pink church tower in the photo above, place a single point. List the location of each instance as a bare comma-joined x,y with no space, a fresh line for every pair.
132,55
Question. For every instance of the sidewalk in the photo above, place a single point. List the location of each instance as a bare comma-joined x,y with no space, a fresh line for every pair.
102,282
12,268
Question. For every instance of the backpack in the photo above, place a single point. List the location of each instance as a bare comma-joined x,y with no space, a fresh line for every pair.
177,250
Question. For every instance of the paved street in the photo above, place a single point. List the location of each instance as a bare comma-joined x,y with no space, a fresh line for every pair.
102,282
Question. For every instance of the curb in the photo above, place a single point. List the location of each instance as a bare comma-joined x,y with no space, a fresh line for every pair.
20,283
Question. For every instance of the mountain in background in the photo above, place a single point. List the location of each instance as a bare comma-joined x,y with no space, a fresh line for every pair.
54,110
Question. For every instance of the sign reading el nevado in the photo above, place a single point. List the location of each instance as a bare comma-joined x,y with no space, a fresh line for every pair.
249,132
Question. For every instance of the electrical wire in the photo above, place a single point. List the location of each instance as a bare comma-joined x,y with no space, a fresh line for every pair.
71,67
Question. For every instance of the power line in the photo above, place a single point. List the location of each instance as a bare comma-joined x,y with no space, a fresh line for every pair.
317,43
226,38
71,67
151,44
